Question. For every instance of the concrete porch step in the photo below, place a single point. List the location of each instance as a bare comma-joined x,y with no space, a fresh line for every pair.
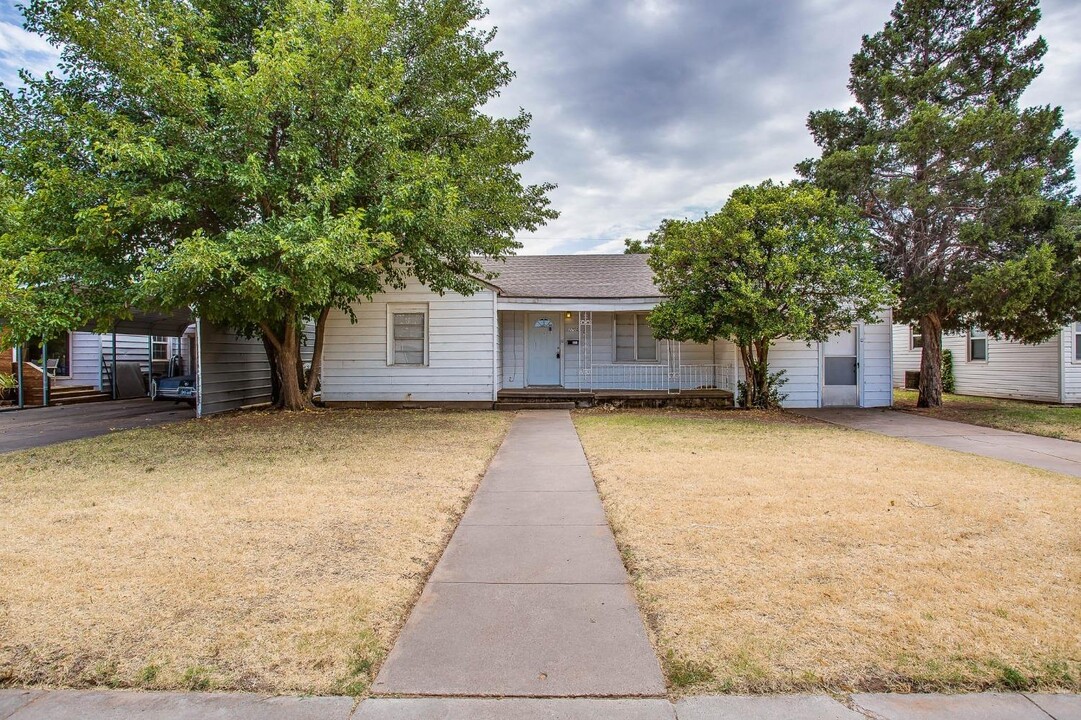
514,405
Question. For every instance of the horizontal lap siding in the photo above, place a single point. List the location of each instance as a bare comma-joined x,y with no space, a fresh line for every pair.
512,342
87,350
1012,370
877,390
461,331
801,365
1071,375
904,358
234,372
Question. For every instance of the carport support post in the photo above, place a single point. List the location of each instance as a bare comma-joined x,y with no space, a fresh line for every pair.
19,374
149,364
113,372
44,373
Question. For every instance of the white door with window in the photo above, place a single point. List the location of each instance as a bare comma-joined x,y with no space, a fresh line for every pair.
543,352
840,383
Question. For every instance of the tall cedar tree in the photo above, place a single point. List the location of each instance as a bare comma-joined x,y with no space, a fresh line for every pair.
265,162
778,261
967,193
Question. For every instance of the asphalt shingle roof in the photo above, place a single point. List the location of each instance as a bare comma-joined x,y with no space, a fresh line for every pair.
573,276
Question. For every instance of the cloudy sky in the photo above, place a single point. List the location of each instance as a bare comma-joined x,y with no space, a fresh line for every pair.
646,109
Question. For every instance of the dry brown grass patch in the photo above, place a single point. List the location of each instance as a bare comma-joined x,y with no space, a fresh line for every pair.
773,556
263,552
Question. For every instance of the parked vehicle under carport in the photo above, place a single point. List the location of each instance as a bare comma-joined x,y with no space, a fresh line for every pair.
180,388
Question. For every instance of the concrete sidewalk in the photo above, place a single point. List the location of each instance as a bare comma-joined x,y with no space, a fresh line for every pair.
37,427
530,598
121,705
1062,456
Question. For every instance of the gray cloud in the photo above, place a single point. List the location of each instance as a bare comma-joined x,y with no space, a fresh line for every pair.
651,109
646,109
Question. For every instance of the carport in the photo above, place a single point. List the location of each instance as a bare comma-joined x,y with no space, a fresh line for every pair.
230,371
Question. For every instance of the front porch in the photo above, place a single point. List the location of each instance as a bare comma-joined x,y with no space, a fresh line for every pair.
588,357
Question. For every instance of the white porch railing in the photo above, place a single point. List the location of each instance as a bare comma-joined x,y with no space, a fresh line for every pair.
661,378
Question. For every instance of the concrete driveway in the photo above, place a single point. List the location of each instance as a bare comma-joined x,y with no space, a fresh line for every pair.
36,427
1062,456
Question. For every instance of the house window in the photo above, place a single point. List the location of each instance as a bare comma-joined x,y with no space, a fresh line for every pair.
977,345
1077,342
159,347
407,335
915,337
634,339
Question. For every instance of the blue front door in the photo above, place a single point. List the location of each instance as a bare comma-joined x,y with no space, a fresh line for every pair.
543,354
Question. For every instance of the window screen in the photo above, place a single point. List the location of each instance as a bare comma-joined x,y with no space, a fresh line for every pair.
840,371
1077,341
917,337
977,345
624,338
634,338
408,338
646,345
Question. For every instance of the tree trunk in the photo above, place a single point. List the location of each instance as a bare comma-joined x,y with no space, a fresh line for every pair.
756,390
931,362
275,376
289,365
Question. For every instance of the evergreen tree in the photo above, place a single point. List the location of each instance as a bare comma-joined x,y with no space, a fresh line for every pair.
967,193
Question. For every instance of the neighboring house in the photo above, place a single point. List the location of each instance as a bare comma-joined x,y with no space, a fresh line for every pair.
989,367
570,324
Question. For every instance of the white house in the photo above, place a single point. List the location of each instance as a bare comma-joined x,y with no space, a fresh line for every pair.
990,367
571,327
546,327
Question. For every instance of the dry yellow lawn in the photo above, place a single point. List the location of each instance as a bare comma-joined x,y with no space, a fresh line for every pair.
772,554
259,552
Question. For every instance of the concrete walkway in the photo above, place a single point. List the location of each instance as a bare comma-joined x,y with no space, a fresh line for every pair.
36,427
530,598
122,705
1062,456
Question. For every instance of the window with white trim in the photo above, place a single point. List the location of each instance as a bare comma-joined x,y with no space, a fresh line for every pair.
1077,342
915,337
159,347
634,341
407,335
977,345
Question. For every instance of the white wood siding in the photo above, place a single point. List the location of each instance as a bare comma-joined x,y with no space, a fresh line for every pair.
87,350
461,335
877,388
233,372
1012,370
1071,367
904,357
802,365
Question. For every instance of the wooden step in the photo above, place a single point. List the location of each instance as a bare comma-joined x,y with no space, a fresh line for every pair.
76,394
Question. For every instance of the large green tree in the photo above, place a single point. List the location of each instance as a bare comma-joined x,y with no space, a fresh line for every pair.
265,162
777,261
967,192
